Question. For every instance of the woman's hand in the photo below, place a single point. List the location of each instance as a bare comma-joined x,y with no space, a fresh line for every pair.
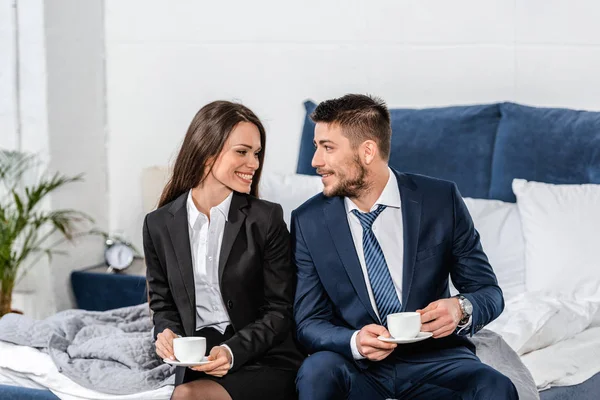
164,344
220,362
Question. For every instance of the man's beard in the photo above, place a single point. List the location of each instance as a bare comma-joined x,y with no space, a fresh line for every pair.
350,187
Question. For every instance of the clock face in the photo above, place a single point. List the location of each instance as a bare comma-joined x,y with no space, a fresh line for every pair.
119,256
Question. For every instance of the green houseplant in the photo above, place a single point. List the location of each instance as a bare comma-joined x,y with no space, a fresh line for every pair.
28,230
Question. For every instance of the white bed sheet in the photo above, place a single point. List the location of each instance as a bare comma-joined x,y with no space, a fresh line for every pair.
566,363
557,334
13,378
29,367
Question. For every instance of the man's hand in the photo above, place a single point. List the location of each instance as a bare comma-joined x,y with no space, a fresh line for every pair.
441,317
372,348
220,362
164,344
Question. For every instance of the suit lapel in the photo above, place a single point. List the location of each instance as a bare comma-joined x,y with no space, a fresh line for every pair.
179,233
234,222
337,222
411,220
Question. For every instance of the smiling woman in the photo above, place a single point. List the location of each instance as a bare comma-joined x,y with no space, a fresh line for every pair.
219,131
238,161
219,264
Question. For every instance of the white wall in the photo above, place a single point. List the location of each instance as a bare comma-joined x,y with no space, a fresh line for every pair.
74,33
52,104
23,89
23,120
8,112
166,59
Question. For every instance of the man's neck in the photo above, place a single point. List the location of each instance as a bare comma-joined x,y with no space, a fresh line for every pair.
378,179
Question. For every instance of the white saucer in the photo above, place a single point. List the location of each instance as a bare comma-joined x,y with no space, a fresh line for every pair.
183,364
420,336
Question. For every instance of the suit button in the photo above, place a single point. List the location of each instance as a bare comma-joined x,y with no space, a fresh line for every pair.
230,304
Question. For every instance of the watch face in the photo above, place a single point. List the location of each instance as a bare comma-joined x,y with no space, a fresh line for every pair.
119,256
468,306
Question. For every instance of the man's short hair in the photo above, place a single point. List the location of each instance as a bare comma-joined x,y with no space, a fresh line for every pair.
361,117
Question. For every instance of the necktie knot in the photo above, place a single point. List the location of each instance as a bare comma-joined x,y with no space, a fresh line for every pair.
367,219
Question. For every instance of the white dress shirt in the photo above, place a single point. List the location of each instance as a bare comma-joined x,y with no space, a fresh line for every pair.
206,237
387,228
388,231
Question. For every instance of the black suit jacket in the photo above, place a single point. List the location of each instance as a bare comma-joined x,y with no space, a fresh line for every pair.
256,275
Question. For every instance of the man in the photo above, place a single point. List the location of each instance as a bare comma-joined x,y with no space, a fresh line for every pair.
377,242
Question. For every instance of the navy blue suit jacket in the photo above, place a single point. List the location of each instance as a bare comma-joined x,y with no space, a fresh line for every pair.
439,240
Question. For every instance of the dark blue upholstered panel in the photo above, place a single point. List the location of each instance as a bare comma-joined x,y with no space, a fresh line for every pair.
454,143
545,145
307,149
101,291
20,393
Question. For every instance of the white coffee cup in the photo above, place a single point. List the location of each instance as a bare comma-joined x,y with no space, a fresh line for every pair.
189,349
404,325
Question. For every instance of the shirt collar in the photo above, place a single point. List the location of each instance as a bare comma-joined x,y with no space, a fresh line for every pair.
390,196
194,214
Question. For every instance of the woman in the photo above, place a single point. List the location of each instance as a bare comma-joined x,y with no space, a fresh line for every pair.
219,263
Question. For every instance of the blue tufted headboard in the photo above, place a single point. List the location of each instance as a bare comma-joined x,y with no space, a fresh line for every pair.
484,147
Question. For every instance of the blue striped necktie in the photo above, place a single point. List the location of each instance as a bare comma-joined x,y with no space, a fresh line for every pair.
386,298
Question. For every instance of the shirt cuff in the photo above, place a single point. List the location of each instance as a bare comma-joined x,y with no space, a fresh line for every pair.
464,326
230,352
355,353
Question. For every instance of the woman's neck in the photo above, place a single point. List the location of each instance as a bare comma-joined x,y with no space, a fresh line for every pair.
208,195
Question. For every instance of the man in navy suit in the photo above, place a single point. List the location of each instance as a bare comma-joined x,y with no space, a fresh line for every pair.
378,242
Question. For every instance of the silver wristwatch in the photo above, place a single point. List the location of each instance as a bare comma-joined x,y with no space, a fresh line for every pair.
466,307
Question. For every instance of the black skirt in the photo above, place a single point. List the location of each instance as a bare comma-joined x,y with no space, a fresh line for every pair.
250,382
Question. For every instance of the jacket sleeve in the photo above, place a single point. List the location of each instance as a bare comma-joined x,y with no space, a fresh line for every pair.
315,320
471,273
275,322
160,299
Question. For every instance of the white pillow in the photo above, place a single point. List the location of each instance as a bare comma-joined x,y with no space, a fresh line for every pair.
521,321
289,190
536,320
561,226
499,227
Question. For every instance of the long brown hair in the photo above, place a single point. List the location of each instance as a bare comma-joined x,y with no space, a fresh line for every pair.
203,141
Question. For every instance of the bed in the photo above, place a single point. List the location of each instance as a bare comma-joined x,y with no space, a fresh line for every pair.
483,148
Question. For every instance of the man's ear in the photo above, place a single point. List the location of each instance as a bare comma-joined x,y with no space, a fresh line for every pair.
368,151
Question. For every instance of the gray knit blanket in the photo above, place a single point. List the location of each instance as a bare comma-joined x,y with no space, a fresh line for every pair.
110,352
